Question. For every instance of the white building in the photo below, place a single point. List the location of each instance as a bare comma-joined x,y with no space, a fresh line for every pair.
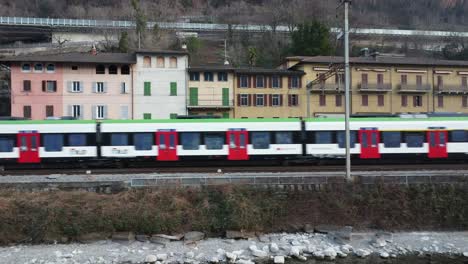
160,84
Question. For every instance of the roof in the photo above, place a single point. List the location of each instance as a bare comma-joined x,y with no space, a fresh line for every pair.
267,71
79,57
211,67
380,60
162,52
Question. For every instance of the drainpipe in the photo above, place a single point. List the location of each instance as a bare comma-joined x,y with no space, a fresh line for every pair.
433,92
133,91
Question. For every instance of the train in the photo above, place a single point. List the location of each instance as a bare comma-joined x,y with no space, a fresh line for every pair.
176,140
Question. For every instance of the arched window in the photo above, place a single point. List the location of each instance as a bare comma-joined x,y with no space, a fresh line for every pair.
125,70
160,61
173,62
112,69
38,67
100,69
50,67
26,67
147,61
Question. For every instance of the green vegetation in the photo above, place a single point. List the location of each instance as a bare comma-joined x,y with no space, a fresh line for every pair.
311,39
123,42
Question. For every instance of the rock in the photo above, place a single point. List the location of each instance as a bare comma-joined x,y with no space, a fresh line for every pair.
244,261
151,259
295,251
238,252
342,235
362,253
190,255
239,234
308,228
393,255
346,249
325,229
214,259
341,254
278,260
159,240
161,257
274,248
231,257
264,239
302,258
384,255
379,243
123,237
330,253
259,253
220,251
385,235
295,243
92,237
194,236
142,238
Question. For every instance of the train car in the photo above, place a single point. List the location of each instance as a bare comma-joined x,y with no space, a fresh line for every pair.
172,140
380,138
45,141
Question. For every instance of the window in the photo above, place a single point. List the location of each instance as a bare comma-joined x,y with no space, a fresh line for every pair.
458,136
143,141
76,111
173,91
195,76
173,116
146,62
38,67
419,80
339,78
380,100
225,115
214,140
193,96
49,86
464,81
100,69
338,100
244,100
417,101
380,78
364,100
147,89
244,81
76,87
222,76
341,138
440,81
74,68
391,139
275,82
404,79
322,100
119,139
190,140
275,100
260,100
160,63
77,140
260,81
295,82
101,112
26,85
100,87
440,101
50,67
364,78
284,137
323,137
208,76
261,140
464,101
414,139
27,111
146,115
173,62
53,142
112,69
294,100
26,67
7,144
123,88
49,110
125,70
404,100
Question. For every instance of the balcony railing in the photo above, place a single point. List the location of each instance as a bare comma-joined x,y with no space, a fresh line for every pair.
374,87
452,89
194,103
414,88
328,87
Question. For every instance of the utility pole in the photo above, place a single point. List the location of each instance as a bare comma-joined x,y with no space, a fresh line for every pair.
346,4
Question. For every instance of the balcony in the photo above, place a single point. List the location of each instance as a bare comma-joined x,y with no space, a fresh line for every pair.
193,103
328,88
377,87
414,88
451,89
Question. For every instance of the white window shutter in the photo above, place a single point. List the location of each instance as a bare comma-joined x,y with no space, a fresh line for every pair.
81,86
94,87
104,84
81,111
70,86
70,110
105,112
94,112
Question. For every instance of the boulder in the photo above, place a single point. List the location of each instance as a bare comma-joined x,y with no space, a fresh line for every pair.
92,237
465,254
342,235
308,228
385,235
142,238
245,261
274,248
231,257
231,234
161,257
259,253
384,255
123,237
278,260
159,240
190,255
194,236
151,259
379,243
329,253
302,258
362,253
295,251
170,238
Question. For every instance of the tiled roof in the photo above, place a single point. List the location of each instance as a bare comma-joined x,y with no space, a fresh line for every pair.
162,52
83,57
211,67
267,71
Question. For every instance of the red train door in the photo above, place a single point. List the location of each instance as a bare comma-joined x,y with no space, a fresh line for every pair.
167,145
28,145
437,140
369,139
238,140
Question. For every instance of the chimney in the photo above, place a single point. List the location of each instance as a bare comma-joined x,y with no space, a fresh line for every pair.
184,46
94,50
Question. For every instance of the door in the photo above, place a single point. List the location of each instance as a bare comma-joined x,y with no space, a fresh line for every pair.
369,139
437,140
28,145
167,145
238,141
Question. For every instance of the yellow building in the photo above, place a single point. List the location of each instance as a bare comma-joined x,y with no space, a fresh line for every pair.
385,85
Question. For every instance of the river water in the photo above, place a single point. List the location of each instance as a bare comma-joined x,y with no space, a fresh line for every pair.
434,259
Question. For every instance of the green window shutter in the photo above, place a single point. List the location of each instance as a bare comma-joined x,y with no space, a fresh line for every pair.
193,95
209,114
173,116
225,115
146,116
147,91
225,96
173,89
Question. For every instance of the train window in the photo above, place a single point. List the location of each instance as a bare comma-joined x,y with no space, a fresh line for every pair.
458,136
391,139
232,141
414,139
284,137
6,144
442,138
364,140
214,140
242,141
33,142
261,140
323,137
143,141
77,140
190,141
432,139
53,142
162,141
342,139
120,139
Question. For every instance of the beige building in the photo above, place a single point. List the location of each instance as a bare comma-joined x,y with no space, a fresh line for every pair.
385,85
